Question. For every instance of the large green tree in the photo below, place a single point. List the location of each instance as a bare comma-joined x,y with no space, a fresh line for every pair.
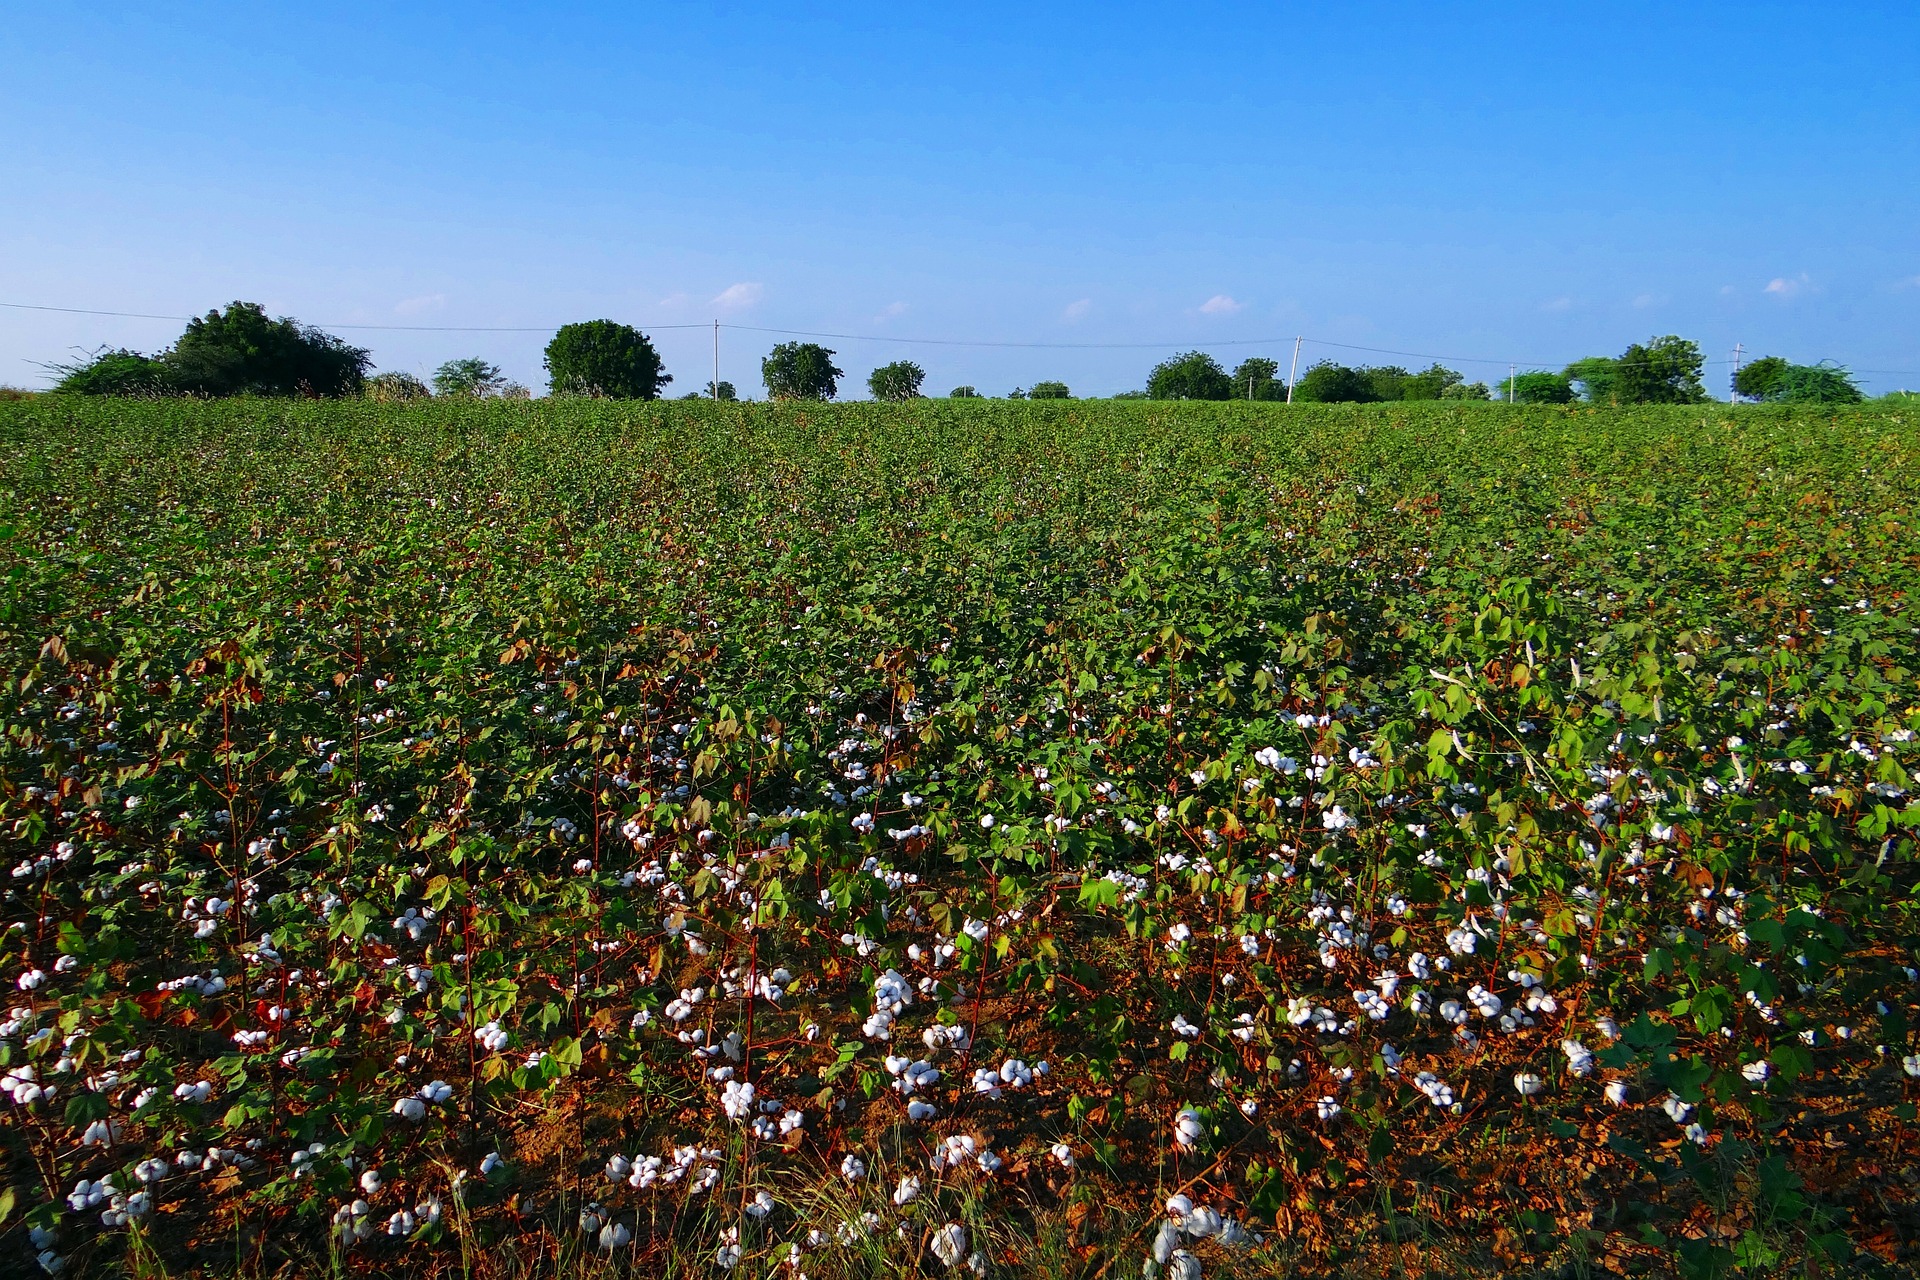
1329,383
800,371
1258,378
243,351
1050,391
1662,371
1774,380
1436,382
1536,387
1596,378
605,359
1192,375
897,381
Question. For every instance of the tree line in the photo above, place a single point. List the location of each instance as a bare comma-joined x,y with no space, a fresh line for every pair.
243,351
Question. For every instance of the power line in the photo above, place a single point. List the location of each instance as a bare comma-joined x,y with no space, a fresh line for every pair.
388,328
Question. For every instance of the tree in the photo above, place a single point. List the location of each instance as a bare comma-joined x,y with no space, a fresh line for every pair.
1193,375
118,372
604,359
800,371
242,351
897,381
725,391
1330,383
470,376
395,387
1537,387
1774,380
1596,378
1050,391
1437,382
1467,391
1660,371
1258,378
1759,380
963,393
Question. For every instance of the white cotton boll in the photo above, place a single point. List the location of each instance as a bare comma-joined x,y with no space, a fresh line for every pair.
436,1092
1165,1241
1527,1084
1757,1072
1063,1154
986,1080
400,1224
909,1188
1178,1207
1187,1127
1911,1064
1676,1110
761,1205
1697,1134
412,1110
986,822
490,1162
1015,1074
618,1167
1327,1109
853,1168
1183,1266
1616,1092
370,1182
614,1236
920,1112
949,1244
1579,1057
1202,1222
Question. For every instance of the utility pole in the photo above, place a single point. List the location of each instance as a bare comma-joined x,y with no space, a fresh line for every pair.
1293,370
1733,379
1510,371
716,359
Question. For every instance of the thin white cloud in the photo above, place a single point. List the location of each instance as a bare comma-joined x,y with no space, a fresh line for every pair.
1911,282
892,311
738,297
1557,304
1220,305
675,300
1649,300
1789,286
420,305
1077,310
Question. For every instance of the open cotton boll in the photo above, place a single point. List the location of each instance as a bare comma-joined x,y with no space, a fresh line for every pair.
949,1244
1187,1127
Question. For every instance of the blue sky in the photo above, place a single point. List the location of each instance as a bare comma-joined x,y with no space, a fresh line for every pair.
1517,182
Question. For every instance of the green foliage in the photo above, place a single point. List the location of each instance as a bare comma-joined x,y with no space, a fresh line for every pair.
1435,382
963,393
895,382
395,387
725,391
1660,371
469,376
114,373
1327,382
241,351
1759,379
1773,380
1258,378
604,360
800,371
1193,375
1049,391
1537,387
536,720
1596,379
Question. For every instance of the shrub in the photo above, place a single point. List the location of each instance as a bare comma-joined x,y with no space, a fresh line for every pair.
963,393
469,376
1050,391
396,388
118,372
1330,383
606,360
243,352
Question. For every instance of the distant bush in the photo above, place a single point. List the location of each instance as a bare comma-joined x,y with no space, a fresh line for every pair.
17,393
897,381
1773,380
1539,387
1050,391
1329,383
242,351
395,388
1258,378
469,376
963,393
118,372
606,360
1194,375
